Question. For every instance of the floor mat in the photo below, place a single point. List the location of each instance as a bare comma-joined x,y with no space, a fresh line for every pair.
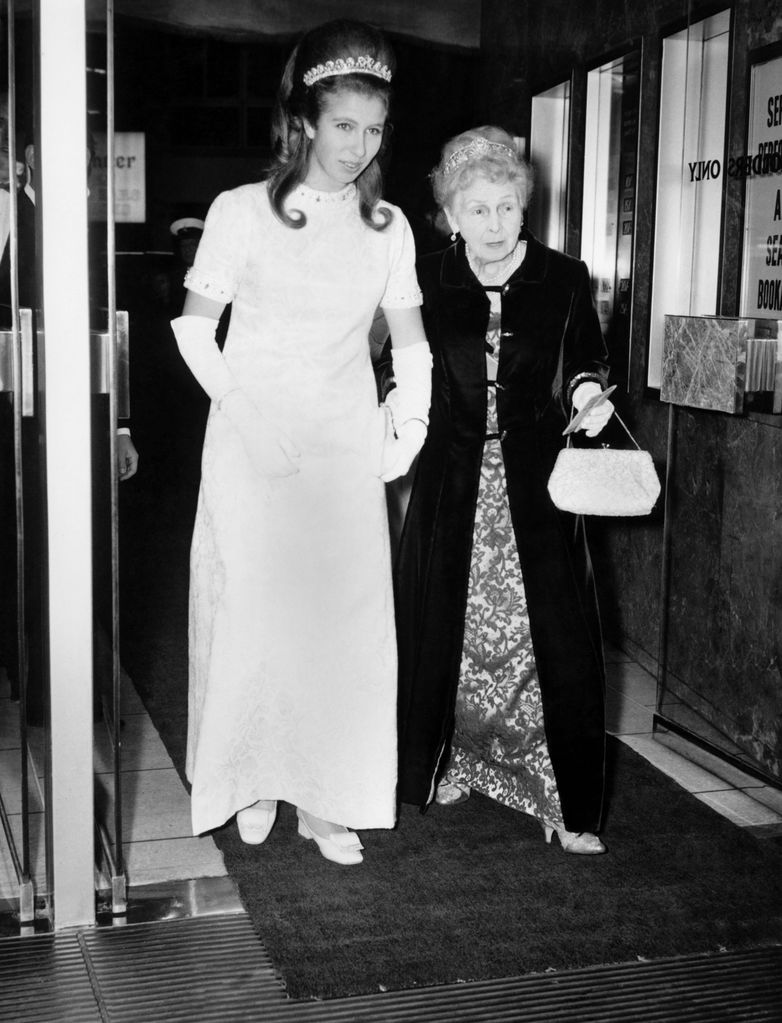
472,892
468,892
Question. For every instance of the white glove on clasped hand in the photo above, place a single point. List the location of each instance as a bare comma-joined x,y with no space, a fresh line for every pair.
410,399
269,450
399,452
595,420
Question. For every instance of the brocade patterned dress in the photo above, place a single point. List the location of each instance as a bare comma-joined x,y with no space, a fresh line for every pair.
292,641
499,744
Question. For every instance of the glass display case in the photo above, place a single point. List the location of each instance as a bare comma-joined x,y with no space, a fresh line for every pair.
688,208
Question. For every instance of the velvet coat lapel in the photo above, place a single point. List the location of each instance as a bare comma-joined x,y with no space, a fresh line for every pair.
550,335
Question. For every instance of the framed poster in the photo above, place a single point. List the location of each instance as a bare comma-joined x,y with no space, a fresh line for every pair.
129,178
761,288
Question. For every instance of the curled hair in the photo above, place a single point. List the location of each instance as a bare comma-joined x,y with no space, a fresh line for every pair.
297,103
502,162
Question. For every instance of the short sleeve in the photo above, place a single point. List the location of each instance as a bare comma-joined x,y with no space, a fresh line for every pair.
220,259
402,290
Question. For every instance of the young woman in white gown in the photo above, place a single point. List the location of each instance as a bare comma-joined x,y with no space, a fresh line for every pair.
292,641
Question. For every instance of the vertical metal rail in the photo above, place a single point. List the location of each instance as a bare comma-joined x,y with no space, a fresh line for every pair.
665,566
26,893
118,881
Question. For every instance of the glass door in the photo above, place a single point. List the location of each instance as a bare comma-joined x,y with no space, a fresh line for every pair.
113,458
608,216
24,683
549,154
63,362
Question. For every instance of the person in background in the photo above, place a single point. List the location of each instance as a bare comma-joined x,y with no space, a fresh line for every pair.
501,666
186,232
292,639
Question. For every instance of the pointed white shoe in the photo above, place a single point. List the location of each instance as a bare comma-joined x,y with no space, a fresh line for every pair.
449,793
583,843
340,847
256,821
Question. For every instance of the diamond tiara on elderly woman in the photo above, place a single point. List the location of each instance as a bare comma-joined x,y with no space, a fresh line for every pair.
347,66
475,147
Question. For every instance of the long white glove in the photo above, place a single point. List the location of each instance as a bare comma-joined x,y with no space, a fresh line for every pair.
595,420
408,404
269,450
399,452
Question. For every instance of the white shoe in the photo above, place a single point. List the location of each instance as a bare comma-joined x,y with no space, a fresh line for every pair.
340,846
256,821
449,793
583,843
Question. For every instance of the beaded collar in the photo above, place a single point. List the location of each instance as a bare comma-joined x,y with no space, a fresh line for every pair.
303,193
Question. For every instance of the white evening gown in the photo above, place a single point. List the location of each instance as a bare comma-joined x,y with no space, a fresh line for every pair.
292,643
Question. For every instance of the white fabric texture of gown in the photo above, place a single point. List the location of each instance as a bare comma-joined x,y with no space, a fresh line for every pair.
292,641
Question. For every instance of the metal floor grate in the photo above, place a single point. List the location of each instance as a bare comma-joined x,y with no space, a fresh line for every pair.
42,979
720,988
215,968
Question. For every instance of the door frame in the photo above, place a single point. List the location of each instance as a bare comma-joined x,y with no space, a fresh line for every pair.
64,396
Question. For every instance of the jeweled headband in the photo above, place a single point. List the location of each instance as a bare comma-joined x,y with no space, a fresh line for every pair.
347,66
475,147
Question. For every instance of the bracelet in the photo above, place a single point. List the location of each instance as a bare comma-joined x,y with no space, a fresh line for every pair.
581,378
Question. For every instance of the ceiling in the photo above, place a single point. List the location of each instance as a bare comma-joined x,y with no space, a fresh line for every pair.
447,22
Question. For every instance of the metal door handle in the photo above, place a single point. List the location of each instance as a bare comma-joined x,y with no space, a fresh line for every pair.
28,372
102,365
7,360
123,365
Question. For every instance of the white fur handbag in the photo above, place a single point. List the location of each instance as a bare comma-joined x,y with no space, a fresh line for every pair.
604,481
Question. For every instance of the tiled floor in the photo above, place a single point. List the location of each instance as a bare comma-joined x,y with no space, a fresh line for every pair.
743,799
157,839
158,844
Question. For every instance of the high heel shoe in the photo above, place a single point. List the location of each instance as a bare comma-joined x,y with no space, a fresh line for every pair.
583,843
256,821
342,846
449,793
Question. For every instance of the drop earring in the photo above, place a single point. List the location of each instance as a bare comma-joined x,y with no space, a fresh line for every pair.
454,236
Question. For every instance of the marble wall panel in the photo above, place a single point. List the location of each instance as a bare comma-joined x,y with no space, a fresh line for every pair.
725,593
704,358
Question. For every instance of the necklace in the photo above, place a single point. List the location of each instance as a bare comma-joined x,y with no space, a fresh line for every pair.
500,270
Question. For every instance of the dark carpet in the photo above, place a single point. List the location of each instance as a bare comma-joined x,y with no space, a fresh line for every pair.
468,892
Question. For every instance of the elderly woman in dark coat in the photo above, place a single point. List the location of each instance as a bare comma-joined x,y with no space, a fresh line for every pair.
501,665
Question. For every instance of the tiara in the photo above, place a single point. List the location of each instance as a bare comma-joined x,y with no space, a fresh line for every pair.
347,66
475,147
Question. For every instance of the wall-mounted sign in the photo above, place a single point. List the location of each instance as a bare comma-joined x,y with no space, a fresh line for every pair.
761,292
130,199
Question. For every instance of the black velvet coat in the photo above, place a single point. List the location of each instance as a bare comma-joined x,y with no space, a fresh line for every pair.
551,340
